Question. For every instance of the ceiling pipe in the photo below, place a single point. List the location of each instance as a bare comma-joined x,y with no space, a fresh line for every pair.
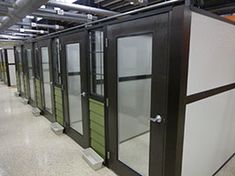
71,14
19,34
82,8
59,17
5,40
11,37
22,8
48,26
7,4
28,30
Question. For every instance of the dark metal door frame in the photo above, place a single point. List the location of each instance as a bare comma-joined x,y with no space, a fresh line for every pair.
158,26
40,44
81,38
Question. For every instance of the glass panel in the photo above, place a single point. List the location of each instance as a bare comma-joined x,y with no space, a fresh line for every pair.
97,62
56,60
46,78
31,77
74,86
134,98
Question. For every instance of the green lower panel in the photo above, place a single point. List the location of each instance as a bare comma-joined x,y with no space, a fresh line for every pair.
96,118
38,94
98,138
59,105
98,148
97,107
97,127
17,82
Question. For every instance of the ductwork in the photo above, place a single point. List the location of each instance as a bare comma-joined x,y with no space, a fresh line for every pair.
23,8
47,26
82,8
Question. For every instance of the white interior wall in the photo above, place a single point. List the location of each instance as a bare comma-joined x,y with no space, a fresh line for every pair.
210,123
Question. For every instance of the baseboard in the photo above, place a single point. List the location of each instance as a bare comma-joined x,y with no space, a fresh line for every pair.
226,162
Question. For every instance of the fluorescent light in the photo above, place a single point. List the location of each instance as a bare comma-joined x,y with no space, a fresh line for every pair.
30,17
67,1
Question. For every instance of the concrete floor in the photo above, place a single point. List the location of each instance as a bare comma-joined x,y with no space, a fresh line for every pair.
29,148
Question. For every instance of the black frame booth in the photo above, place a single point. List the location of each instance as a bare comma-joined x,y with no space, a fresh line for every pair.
152,92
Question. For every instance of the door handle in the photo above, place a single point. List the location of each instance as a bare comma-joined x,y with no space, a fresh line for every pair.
83,94
157,119
51,83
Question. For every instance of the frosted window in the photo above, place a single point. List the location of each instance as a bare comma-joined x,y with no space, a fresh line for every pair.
73,56
134,55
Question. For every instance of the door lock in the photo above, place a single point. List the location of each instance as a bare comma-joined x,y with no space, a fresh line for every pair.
157,119
83,94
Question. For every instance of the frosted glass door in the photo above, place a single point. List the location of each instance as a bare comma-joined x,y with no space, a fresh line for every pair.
74,87
46,78
134,55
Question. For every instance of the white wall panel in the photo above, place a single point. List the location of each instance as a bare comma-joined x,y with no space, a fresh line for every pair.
212,54
209,134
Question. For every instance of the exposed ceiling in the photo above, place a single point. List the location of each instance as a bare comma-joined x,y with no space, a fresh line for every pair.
23,19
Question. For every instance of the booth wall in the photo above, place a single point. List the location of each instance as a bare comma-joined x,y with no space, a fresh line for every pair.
209,138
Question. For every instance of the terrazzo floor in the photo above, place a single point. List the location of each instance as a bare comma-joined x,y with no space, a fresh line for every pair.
29,148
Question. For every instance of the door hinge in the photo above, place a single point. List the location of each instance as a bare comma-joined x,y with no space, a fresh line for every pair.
108,155
107,102
106,42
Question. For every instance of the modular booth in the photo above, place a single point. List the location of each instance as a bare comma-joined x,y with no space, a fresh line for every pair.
7,66
151,90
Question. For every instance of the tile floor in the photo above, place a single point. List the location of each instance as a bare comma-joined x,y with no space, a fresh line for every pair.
29,148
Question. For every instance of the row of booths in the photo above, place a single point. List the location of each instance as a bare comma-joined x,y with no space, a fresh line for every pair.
120,87
7,66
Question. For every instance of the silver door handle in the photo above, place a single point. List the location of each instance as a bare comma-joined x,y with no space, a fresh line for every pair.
83,94
157,119
51,83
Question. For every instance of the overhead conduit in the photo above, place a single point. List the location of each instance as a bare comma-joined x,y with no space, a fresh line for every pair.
82,8
22,8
